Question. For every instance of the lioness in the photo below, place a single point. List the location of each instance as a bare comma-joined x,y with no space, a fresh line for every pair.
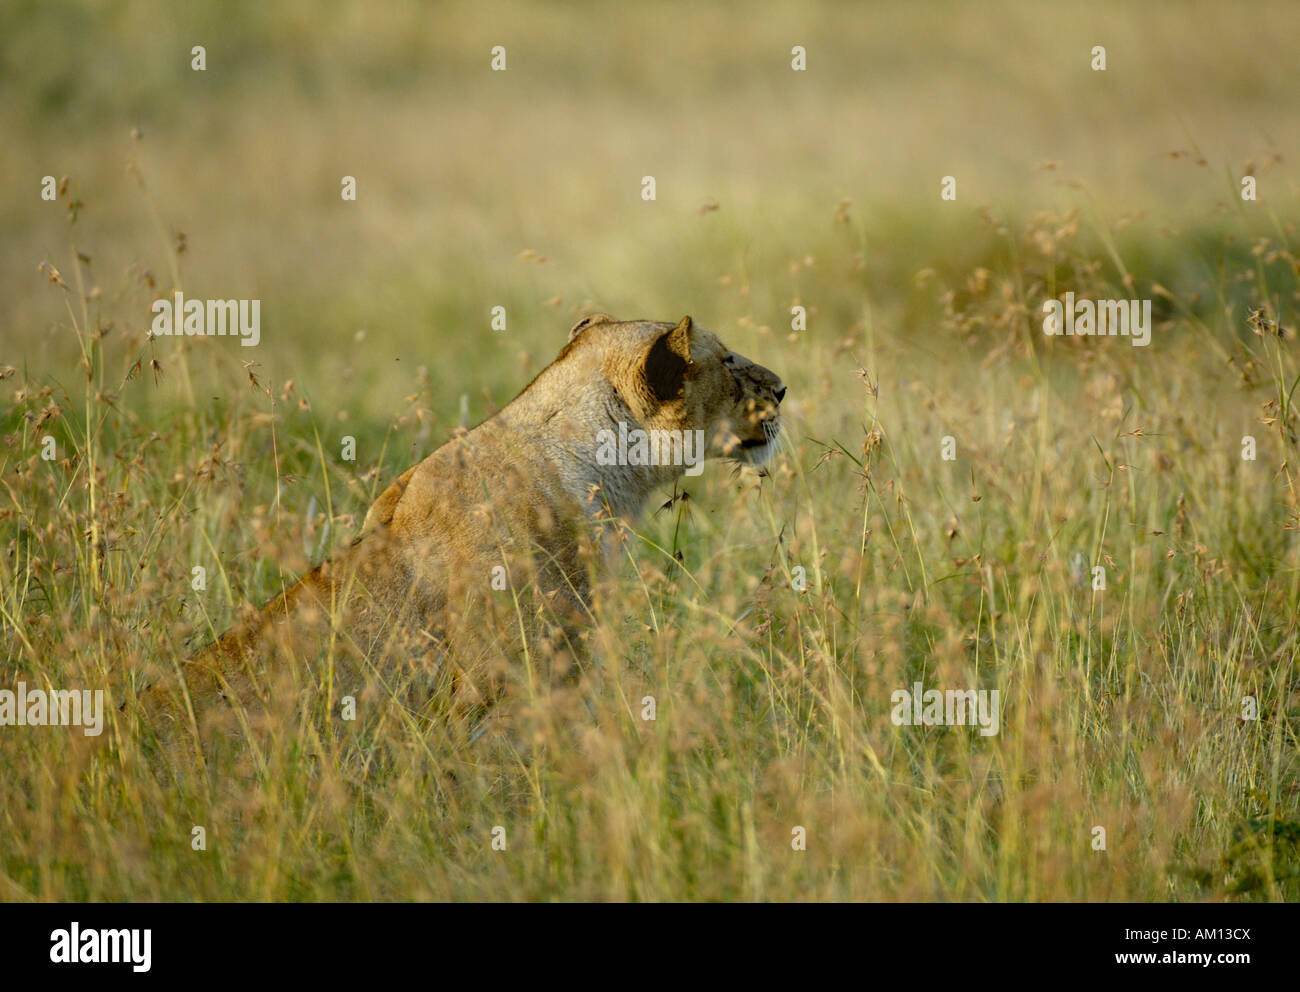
503,519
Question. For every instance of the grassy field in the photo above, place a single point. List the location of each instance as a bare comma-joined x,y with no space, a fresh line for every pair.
1121,708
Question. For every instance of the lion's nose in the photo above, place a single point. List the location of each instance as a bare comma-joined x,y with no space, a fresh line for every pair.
780,393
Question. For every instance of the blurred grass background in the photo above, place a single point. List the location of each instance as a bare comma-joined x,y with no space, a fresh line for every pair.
461,169
774,188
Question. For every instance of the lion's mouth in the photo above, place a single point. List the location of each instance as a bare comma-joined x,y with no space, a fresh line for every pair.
755,450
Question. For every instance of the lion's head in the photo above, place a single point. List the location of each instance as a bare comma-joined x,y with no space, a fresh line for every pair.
679,377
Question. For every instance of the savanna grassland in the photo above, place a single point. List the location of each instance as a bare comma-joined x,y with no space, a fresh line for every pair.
1121,708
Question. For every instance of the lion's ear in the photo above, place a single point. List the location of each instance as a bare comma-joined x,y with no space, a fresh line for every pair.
667,360
595,318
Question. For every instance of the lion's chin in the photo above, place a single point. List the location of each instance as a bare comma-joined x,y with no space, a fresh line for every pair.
756,454
762,452
759,454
